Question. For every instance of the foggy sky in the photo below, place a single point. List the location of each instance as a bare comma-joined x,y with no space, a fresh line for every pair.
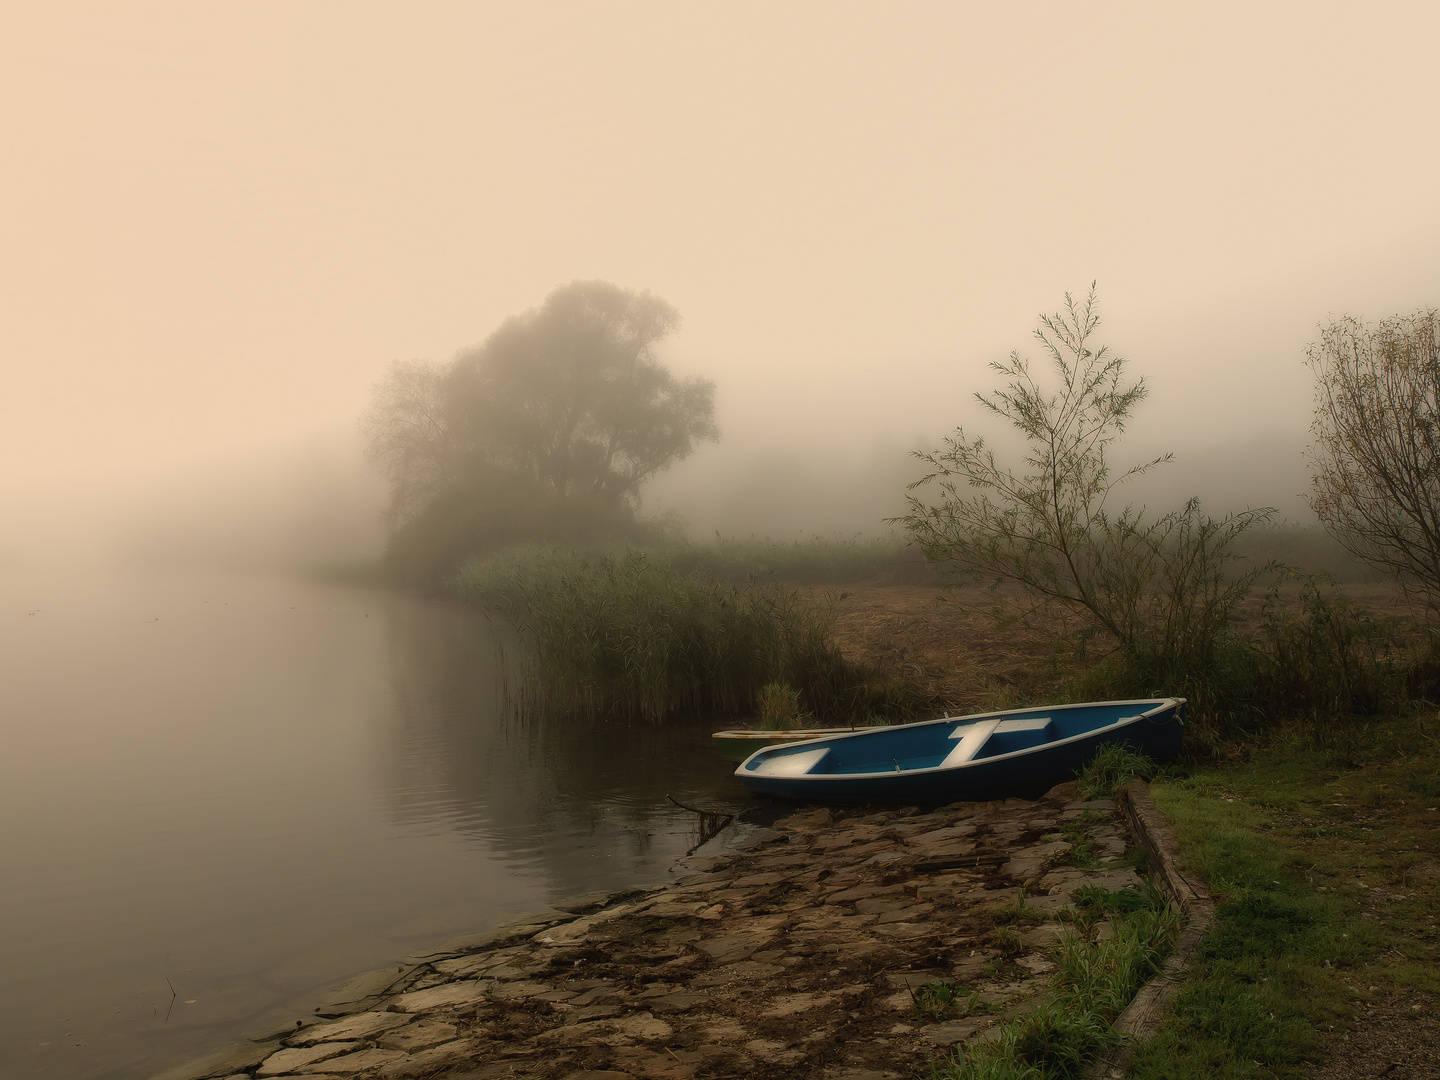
218,225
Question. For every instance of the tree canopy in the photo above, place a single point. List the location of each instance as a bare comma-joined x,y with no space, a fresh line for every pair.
561,414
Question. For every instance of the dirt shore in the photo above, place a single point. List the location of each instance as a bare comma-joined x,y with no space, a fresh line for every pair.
798,956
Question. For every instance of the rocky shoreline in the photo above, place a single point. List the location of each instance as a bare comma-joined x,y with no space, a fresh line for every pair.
799,955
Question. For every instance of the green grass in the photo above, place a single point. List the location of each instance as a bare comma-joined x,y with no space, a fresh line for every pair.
1317,857
1094,981
1112,767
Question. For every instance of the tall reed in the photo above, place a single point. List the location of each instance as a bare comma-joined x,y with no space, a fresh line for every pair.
624,634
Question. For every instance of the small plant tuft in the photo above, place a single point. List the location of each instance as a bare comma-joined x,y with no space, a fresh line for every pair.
1113,766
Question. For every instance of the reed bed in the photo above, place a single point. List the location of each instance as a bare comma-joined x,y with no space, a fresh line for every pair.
628,634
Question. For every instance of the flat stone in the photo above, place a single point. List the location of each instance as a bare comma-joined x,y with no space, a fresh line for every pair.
579,905
219,1062
418,1036
905,929
755,880
508,972
592,1012
907,914
1114,880
940,836
598,1074
886,858
745,969
516,991
1045,935
951,1031
900,1001
456,993
791,1004
861,892
731,947
872,905
909,980
436,1057
682,1001
644,1026
653,1065
360,1061
359,1026
295,1058
598,993
728,1030
1036,965
496,1070
1023,869
571,932
771,1050
349,994
807,820
1045,851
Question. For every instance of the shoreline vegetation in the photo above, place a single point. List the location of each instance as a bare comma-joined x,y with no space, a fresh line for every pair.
648,632
1323,689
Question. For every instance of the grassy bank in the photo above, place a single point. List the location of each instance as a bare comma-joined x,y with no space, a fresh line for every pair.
1324,855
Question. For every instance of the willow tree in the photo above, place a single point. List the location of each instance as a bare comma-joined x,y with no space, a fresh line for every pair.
1375,461
1159,588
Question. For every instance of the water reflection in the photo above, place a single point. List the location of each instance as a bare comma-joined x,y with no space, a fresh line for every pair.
553,795
250,788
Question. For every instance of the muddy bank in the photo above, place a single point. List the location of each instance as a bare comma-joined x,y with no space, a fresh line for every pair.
800,955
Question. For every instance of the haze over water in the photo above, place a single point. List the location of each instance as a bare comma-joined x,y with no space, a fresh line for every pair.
220,224
249,788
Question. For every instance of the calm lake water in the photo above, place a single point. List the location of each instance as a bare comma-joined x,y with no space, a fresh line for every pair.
244,789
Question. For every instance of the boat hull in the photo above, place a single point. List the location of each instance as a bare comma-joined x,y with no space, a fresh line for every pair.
925,770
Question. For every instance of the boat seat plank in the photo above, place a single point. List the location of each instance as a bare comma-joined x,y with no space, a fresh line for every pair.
796,764
972,737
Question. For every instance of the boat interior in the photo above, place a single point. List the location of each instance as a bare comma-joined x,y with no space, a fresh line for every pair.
940,743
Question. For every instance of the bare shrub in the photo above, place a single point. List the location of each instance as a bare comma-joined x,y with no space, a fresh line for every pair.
1375,462
1159,588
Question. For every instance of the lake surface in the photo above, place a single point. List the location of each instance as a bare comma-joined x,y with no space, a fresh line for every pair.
221,794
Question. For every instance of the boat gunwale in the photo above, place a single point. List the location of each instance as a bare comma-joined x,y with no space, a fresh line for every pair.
1163,704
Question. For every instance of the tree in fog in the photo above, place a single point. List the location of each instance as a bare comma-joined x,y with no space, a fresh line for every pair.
1156,587
1375,462
407,436
544,432
572,396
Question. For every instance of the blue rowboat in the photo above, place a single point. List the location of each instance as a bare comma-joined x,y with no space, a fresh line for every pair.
988,756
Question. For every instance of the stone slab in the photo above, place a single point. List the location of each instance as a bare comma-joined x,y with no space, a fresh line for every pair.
221,1062
364,1025
295,1058
456,993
